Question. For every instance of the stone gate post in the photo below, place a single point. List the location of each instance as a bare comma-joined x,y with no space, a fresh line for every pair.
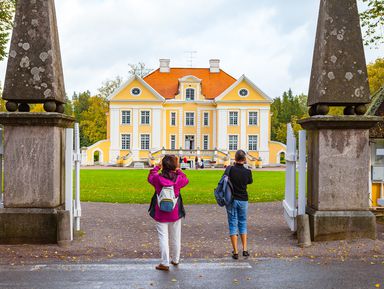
338,146
34,143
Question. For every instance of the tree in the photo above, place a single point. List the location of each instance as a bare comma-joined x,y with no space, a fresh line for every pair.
376,75
7,11
93,123
109,86
372,20
138,69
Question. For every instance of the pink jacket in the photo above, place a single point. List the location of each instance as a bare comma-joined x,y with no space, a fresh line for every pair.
156,180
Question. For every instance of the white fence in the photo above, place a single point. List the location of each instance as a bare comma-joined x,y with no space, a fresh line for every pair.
292,207
72,159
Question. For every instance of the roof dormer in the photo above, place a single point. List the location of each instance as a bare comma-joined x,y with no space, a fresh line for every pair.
190,88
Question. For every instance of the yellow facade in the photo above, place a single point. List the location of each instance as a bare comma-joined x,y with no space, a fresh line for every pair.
143,125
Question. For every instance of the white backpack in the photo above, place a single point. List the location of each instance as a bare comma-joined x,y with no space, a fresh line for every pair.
166,200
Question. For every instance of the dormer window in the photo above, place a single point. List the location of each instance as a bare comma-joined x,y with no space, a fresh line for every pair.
190,94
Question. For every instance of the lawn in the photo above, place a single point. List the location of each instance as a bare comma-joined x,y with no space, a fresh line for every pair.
130,186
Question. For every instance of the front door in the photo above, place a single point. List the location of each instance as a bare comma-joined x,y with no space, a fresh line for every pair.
189,142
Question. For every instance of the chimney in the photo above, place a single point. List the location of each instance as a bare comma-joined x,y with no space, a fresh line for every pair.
164,65
214,65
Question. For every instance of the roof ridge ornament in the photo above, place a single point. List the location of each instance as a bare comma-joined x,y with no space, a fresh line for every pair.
34,70
339,72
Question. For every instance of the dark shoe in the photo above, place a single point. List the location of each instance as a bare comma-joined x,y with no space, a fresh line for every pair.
245,254
235,256
174,263
161,267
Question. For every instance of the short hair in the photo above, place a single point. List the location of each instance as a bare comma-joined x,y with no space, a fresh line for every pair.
240,156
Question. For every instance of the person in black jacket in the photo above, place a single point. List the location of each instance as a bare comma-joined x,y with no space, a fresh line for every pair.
237,211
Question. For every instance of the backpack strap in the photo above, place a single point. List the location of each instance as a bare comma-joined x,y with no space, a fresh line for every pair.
228,171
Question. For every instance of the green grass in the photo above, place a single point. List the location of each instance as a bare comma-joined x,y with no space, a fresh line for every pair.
130,186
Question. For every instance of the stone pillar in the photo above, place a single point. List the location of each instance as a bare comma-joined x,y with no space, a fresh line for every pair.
338,177
34,180
34,143
338,146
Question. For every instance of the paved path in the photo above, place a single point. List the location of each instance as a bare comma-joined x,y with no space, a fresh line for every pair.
111,231
257,273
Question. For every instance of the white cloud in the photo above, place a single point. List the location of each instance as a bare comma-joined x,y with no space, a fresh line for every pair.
269,41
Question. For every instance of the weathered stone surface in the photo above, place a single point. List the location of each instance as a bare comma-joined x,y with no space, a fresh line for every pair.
339,73
36,119
341,225
63,228
32,163
338,169
34,71
28,226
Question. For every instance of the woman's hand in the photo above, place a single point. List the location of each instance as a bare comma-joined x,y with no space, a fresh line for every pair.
159,166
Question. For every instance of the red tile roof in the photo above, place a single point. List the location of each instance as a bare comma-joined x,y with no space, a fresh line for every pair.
167,84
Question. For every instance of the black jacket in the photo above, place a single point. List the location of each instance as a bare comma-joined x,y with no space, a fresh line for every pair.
240,177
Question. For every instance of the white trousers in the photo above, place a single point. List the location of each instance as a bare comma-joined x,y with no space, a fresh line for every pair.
170,238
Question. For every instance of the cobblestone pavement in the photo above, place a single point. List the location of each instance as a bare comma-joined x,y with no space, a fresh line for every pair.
112,231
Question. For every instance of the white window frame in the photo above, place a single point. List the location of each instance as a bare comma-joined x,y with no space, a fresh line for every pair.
170,141
229,142
203,144
257,142
121,141
122,117
186,94
229,118
194,138
206,113
170,118
185,118
149,120
141,141
249,118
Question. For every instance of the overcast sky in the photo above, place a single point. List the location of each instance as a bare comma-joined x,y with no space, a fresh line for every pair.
270,41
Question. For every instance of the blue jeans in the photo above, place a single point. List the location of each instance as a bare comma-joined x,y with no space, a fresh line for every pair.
237,217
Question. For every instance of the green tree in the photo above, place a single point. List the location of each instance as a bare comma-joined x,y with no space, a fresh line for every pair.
93,123
372,21
376,75
7,11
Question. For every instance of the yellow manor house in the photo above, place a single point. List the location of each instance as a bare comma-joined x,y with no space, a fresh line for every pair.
189,112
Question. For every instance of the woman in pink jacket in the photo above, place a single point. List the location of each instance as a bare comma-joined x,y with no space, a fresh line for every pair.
168,223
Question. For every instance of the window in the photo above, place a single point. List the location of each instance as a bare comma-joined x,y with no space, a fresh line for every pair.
190,94
233,118
205,142
189,118
233,139
173,142
206,119
173,118
144,142
125,141
252,142
252,118
145,117
136,91
243,92
126,117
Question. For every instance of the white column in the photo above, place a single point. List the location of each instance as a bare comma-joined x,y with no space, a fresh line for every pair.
264,135
214,131
164,129
156,128
114,151
222,130
198,130
181,125
243,129
135,134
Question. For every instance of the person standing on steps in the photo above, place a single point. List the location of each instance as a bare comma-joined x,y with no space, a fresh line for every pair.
167,208
237,211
